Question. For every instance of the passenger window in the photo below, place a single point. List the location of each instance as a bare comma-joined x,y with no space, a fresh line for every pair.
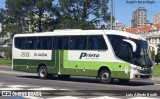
44,42
20,42
78,42
31,43
60,42
122,50
96,43
125,52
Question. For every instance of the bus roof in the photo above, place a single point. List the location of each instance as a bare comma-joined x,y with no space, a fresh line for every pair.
81,32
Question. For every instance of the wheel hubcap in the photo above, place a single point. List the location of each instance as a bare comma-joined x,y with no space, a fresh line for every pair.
105,76
42,72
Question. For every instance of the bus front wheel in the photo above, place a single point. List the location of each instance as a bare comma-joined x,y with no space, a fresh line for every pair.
105,77
42,72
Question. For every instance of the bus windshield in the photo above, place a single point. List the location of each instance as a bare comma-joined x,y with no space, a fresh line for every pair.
142,55
123,50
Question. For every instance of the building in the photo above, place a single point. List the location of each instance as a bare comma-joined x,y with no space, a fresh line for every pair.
139,17
116,25
156,18
150,32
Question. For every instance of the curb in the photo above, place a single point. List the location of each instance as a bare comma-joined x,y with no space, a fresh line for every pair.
156,78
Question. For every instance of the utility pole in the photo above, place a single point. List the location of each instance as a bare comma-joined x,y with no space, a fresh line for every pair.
111,14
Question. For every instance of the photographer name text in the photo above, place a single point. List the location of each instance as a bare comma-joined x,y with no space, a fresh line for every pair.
140,2
141,94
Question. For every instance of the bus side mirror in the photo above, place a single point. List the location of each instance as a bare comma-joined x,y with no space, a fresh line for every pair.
133,44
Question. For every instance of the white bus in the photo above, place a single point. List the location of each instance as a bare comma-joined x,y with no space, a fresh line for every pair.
105,54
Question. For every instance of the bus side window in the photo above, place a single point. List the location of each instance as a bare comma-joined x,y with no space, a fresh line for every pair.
60,42
125,52
31,42
115,41
97,43
44,42
78,42
20,42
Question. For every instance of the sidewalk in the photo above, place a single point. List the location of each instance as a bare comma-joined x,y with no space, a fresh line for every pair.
156,79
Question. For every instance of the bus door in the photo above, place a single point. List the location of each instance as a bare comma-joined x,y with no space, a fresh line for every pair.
60,44
77,47
124,53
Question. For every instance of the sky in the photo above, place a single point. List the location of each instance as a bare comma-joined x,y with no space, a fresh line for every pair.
2,3
123,10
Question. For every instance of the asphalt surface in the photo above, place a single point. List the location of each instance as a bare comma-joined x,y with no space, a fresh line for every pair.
15,80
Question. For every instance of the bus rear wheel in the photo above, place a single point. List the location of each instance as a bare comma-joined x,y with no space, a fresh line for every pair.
123,81
64,77
105,77
42,73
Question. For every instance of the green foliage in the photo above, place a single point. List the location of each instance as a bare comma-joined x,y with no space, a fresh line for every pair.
20,14
157,58
5,62
24,16
76,13
153,55
158,45
8,53
156,71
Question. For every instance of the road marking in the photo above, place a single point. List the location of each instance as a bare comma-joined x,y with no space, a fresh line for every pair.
29,97
156,84
14,87
143,98
43,88
63,89
104,97
65,97
17,86
11,88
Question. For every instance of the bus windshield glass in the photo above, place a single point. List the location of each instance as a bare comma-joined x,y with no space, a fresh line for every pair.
123,50
142,55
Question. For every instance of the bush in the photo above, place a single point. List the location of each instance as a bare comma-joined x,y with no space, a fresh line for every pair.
153,55
157,58
8,53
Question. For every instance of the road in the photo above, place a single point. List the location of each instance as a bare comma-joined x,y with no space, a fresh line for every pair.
76,87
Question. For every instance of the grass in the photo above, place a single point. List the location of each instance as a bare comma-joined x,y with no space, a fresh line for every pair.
156,68
156,71
5,62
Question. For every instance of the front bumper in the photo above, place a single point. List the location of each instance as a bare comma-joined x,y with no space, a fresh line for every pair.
138,72
142,76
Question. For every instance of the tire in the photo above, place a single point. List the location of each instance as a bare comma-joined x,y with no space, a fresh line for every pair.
64,77
123,81
105,77
42,73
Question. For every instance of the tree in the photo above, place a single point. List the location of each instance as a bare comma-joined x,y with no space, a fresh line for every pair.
15,15
2,15
39,7
157,58
76,13
23,16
